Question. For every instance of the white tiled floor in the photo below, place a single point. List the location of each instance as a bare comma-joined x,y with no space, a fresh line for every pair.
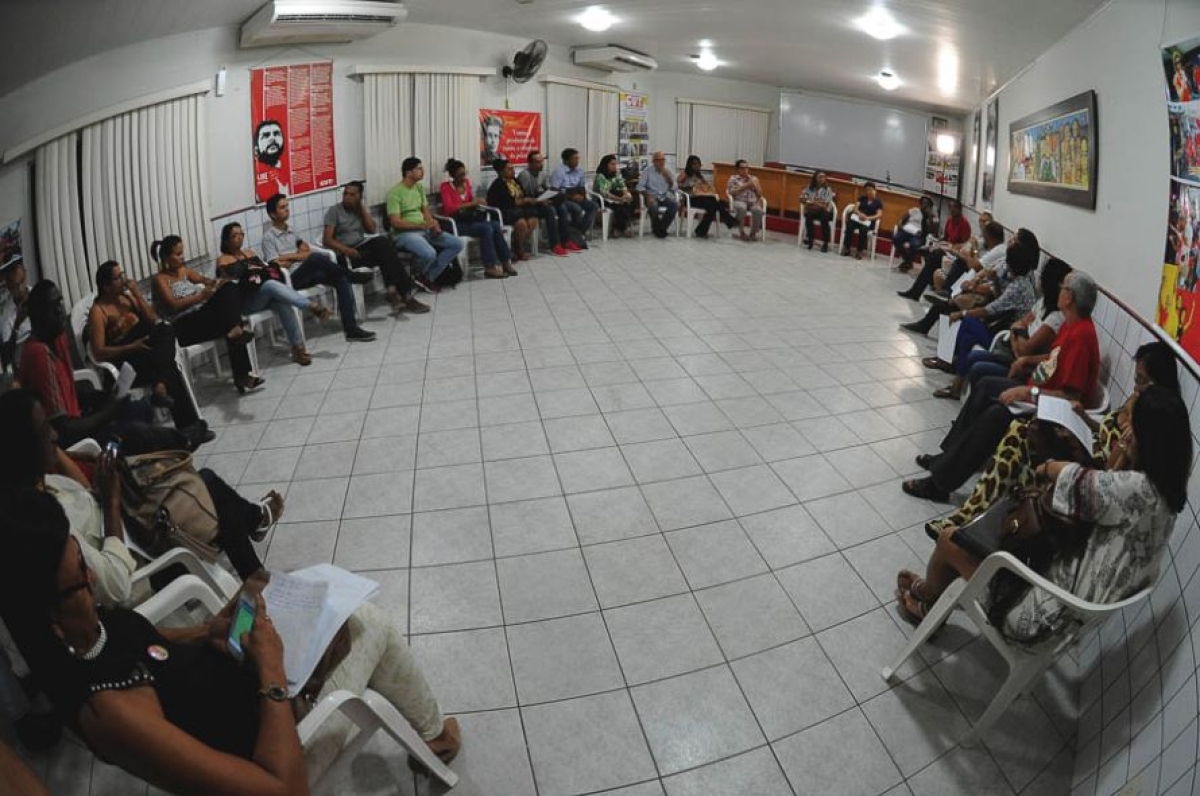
640,511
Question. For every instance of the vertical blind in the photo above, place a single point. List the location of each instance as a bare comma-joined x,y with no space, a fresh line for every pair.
430,116
107,190
720,132
582,118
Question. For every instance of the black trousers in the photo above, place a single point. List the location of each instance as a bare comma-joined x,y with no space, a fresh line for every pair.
158,365
978,429
317,269
712,207
861,230
813,217
222,312
925,278
239,518
380,252
622,213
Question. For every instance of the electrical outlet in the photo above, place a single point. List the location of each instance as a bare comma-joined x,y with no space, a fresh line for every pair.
1132,788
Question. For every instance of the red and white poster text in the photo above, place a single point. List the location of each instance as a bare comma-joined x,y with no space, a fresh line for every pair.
511,135
291,110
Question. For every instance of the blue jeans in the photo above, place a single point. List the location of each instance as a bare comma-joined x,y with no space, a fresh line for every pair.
493,248
549,214
662,214
433,251
280,299
984,363
906,245
971,332
578,213
317,269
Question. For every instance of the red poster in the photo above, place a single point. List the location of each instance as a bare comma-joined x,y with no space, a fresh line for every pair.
511,135
291,110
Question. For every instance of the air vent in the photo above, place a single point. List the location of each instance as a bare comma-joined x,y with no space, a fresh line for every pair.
319,21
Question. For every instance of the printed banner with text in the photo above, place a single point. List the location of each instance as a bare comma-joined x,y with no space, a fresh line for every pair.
511,135
633,139
291,110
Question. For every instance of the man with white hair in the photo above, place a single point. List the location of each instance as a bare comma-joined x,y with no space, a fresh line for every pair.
658,191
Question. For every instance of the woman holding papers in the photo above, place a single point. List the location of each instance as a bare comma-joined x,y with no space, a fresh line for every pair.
1126,512
1011,468
172,705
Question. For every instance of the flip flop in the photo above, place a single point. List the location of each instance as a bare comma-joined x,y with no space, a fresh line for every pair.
916,615
948,393
270,517
934,363
925,489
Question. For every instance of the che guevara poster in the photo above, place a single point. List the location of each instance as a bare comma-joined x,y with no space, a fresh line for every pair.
291,116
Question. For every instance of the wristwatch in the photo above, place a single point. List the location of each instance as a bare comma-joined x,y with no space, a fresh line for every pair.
1033,393
274,692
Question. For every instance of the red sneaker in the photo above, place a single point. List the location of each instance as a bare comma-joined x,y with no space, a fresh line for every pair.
559,251
572,246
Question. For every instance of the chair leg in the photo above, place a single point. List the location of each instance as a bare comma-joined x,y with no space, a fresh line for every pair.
396,726
1019,677
217,369
936,617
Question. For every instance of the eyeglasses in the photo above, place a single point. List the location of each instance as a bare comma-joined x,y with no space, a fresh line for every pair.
86,583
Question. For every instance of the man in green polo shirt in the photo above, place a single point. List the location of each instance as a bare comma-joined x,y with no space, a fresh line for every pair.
415,230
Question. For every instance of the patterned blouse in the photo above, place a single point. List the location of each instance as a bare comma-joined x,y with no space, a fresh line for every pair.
609,185
1131,524
1018,296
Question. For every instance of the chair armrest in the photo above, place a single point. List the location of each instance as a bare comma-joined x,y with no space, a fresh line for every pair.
599,197
176,595
88,375
493,211
996,562
87,446
188,560
332,255
448,224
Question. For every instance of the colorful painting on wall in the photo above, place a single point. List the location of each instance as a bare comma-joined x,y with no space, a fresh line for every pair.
511,135
1052,153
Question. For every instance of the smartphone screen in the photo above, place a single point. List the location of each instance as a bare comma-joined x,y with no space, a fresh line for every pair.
243,621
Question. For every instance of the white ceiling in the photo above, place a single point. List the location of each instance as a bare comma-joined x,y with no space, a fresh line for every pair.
810,44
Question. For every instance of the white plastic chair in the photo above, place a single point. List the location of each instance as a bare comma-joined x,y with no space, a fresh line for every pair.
370,712
762,233
644,218
450,225
690,216
1025,665
872,235
604,214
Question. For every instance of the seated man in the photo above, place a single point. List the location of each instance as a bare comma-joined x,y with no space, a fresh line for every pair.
657,185
992,275
284,247
1071,370
745,196
916,225
415,230
959,259
534,182
577,210
350,231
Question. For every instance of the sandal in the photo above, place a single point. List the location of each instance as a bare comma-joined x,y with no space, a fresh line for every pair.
925,461
248,383
925,489
948,393
934,528
446,746
935,363
272,510
911,607
320,311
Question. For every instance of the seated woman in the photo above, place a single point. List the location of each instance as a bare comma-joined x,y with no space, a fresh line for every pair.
262,287
1011,468
979,325
95,516
459,201
123,327
518,210
703,195
863,220
202,309
1030,337
620,200
172,705
918,223
1130,507
819,208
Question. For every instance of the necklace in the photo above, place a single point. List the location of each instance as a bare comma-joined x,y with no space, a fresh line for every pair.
97,648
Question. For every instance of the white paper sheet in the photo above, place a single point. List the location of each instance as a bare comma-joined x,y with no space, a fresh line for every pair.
547,195
1058,410
957,287
947,333
125,379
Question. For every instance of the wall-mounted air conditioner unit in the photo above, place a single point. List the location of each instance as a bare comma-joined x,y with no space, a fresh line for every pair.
319,21
613,59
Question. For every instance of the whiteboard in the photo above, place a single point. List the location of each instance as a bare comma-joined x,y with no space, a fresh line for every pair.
854,137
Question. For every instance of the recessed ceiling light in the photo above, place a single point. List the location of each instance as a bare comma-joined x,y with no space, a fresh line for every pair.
887,80
706,60
596,19
880,24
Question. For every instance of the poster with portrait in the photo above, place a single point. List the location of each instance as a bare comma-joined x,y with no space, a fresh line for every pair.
991,135
10,244
291,117
1177,294
511,135
633,132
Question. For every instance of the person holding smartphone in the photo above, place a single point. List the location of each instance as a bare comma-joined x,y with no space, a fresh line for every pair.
172,705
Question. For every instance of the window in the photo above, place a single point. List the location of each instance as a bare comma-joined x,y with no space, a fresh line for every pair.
719,131
582,116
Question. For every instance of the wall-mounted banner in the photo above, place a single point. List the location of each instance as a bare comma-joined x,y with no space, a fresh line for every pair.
291,113
633,138
511,135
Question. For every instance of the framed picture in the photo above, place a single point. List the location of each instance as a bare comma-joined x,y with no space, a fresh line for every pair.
1052,153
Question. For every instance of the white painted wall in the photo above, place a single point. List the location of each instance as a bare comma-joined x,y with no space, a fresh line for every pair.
1115,53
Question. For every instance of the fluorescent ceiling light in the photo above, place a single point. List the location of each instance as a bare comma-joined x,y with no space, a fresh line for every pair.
948,70
879,23
707,61
887,80
596,19
946,144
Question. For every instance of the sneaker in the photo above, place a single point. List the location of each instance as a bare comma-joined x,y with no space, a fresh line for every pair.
559,251
412,305
572,246
425,285
359,335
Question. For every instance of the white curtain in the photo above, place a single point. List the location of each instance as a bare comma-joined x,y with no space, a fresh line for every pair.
59,222
566,122
602,126
717,132
388,126
143,177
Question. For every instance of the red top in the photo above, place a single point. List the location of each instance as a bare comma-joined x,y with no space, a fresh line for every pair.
452,200
46,370
1074,362
958,230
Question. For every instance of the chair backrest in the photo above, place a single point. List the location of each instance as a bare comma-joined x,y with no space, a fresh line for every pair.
79,321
